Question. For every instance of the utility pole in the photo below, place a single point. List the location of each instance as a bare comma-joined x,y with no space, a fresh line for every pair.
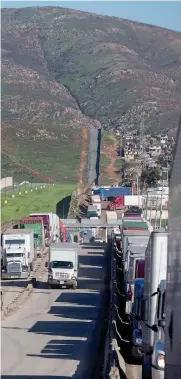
150,210
161,207
156,212
146,208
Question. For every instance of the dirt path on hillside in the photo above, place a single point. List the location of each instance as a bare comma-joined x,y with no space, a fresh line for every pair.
110,151
34,172
83,155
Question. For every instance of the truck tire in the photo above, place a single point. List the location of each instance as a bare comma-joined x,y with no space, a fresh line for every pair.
32,264
146,367
74,286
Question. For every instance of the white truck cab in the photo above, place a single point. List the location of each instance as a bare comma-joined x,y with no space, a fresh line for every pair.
18,253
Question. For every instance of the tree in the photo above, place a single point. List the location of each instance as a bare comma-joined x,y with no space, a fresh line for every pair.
150,177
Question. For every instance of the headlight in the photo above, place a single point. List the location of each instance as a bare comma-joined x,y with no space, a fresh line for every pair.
24,268
73,277
161,361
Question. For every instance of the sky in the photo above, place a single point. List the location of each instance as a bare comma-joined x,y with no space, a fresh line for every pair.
166,14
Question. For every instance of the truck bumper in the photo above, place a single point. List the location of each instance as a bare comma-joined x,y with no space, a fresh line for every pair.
157,374
19,275
55,282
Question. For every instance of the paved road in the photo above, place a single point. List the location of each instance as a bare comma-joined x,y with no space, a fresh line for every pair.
52,335
11,288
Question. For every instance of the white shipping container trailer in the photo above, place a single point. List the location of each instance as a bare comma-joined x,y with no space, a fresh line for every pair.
133,200
18,253
155,272
56,228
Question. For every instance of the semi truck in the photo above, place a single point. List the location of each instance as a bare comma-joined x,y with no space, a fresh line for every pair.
155,272
18,253
63,265
133,266
35,224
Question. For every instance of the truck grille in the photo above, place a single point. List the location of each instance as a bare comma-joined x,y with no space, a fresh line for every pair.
14,267
62,275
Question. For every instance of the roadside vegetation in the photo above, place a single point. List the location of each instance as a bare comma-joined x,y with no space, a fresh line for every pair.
40,200
106,137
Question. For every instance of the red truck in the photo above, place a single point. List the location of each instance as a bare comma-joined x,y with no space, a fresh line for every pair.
118,203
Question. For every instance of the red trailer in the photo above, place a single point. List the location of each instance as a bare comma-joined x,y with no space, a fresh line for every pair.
118,203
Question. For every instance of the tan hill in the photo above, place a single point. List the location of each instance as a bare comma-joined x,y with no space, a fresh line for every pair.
62,69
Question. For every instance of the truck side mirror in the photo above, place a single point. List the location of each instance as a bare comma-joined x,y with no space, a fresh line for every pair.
154,328
161,323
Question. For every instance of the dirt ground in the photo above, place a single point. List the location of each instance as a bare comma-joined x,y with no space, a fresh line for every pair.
83,157
110,151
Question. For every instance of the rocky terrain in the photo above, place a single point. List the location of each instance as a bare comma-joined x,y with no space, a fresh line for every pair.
63,69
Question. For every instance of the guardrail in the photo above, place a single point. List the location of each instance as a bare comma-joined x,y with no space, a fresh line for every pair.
114,365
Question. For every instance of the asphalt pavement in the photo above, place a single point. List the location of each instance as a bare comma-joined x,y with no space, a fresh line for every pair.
54,334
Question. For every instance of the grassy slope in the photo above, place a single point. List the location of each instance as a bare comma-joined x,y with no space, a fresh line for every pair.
118,72
41,122
40,200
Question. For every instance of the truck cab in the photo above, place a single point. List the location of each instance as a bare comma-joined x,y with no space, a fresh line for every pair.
18,253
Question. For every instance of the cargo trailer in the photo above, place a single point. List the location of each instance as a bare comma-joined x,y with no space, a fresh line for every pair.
35,224
133,200
117,192
47,224
155,272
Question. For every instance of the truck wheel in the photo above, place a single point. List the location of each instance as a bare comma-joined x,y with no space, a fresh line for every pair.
146,368
74,286
32,266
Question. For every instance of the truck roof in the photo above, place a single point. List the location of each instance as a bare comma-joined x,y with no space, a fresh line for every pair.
136,233
64,245
29,218
18,231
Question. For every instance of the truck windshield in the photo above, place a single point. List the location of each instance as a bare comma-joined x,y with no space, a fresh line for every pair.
14,242
15,255
61,264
